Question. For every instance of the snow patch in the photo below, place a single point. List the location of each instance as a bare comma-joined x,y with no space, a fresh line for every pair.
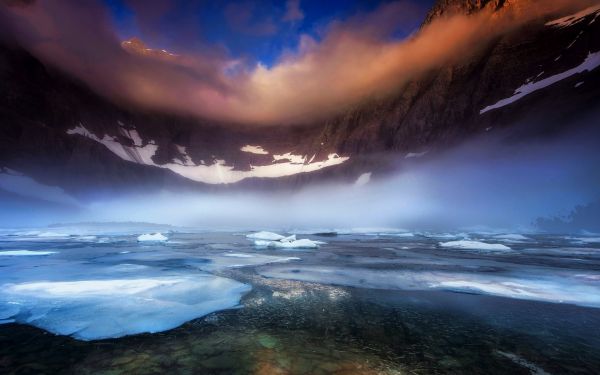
216,173
474,245
574,18
591,62
254,150
294,159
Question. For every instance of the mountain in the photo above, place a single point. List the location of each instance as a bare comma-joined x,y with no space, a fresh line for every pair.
537,79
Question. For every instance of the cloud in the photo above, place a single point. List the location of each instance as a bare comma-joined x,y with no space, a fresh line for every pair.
292,11
351,59
242,17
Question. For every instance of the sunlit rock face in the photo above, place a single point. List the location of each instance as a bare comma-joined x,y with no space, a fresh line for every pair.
76,139
136,46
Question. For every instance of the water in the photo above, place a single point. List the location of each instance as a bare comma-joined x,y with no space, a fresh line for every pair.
360,304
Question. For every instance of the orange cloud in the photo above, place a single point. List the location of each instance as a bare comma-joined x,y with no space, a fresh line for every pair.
353,60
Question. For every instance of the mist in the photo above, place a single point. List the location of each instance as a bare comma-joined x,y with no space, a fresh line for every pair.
493,182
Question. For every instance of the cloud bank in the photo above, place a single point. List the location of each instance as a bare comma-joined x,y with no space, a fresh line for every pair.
353,59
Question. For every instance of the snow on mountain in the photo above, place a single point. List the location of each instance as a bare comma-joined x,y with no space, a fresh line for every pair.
254,150
573,19
591,62
219,172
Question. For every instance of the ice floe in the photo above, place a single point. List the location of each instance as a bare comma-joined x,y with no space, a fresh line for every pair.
290,244
512,237
219,262
25,253
97,309
474,245
556,288
267,236
274,240
152,237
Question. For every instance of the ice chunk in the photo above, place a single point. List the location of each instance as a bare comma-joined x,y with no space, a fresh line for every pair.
238,255
588,239
52,234
98,309
152,237
25,253
296,244
268,236
291,238
474,245
512,237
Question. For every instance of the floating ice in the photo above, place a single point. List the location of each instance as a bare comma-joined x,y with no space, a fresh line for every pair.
588,239
267,236
512,237
235,260
557,288
98,309
474,245
153,237
237,255
291,238
25,253
293,244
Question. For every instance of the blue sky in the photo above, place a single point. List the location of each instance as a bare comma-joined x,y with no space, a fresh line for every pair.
256,30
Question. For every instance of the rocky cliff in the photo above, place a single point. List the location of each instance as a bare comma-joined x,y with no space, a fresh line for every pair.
536,79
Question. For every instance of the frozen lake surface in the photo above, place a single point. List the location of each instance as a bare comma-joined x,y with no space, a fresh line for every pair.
123,299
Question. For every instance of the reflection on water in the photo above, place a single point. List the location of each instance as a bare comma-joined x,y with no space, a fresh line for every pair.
305,327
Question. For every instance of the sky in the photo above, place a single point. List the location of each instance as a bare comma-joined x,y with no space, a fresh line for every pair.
259,31
250,62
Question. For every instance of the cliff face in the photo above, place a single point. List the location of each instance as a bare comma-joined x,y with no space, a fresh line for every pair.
450,7
538,78
550,63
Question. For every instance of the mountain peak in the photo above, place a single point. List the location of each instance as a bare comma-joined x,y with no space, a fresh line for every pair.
452,7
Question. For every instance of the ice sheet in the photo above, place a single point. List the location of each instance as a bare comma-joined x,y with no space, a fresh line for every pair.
152,237
557,288
474,245
25,253
97,309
